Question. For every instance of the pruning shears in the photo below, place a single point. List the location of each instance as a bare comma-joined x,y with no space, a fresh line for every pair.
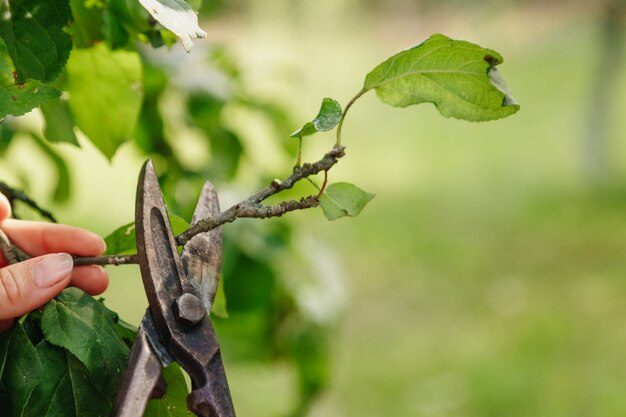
180,291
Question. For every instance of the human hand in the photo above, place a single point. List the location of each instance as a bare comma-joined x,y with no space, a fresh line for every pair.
28,285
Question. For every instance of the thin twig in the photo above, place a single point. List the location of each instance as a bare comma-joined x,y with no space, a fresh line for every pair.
13,195
105,260
249,208
252,206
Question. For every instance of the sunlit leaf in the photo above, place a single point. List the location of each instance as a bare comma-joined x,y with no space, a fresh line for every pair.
105,94
177,16
19,98
343,199
459,77
327,118
85,327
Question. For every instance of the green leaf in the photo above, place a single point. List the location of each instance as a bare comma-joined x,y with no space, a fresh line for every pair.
85,327
59,123
176,16
327,118
459,77
35,33
343,199
87,27
122,240
66,388
174,402
126,331
20,371
219,304
105,94
63,184
6,136
19,98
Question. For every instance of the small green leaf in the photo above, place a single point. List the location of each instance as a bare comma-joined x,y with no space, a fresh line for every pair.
86,328
6,136
174,402
66,388
19,98
35,33
327,118
63,184
20,371
122,240
343,199
176,16
459,77
105,94
219,304
59,124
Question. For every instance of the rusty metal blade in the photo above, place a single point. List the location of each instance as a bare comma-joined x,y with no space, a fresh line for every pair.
161,269
202,255
142,379
192,343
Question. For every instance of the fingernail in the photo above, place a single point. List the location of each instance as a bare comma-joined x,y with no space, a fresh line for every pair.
52,269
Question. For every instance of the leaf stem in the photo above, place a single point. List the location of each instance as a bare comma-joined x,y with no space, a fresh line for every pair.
299,160
345,112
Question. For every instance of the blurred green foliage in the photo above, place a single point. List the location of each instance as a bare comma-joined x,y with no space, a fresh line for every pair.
116,89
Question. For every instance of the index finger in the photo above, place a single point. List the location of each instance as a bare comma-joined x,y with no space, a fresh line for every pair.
5,207
39,238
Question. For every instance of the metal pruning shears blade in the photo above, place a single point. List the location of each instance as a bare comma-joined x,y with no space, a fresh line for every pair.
202,255
176,326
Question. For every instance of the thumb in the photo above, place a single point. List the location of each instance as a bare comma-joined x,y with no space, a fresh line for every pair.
27,285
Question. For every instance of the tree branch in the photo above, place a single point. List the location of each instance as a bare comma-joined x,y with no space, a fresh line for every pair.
249,208
115,260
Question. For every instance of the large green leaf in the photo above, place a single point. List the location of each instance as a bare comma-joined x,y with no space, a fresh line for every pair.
122,240
327,118
343,199
20,371
65,390
177,16
106,93
36,36
19,98
85,327
459,77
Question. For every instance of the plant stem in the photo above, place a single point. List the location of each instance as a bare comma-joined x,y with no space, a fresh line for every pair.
106,260
345,112
299,160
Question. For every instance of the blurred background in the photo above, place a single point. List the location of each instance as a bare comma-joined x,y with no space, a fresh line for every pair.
487,276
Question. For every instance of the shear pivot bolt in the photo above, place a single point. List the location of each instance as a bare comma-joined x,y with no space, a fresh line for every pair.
188,309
